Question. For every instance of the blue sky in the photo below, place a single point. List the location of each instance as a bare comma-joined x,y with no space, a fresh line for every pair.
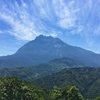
77,22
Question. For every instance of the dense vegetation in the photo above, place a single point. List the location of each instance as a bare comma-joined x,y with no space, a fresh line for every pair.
87,79
38,71
60,73
16,89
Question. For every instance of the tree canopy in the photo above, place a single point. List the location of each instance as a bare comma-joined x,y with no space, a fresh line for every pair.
16,89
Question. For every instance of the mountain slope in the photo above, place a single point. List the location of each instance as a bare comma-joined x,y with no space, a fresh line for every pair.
44,49
87,79
59,72
38,71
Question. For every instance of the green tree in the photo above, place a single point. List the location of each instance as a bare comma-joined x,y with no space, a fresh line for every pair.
71,93
16,89
55,94
97,98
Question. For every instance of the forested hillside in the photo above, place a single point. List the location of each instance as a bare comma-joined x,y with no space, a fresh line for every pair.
87,79
16,89
60,73
38,71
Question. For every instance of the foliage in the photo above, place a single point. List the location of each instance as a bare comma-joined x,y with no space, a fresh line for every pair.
72,93
87,79
56,94
97,98
16,89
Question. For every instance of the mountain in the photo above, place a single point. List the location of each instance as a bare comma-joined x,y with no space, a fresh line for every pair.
87,79
41,70
46,48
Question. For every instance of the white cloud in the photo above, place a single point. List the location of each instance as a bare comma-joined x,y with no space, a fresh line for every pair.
22,27
32,18
24,21
64,12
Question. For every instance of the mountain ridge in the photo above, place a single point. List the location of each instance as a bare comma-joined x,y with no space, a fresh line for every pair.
41,70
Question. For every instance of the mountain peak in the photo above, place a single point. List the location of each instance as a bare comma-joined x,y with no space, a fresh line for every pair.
40,36
43,37
48,39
